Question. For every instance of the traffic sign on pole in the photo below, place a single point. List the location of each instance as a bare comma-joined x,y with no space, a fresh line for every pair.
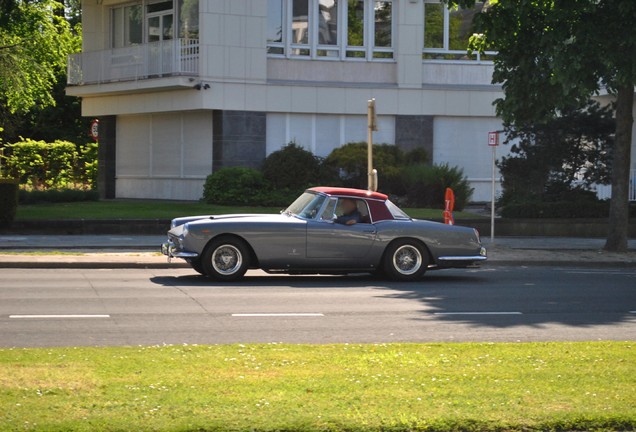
95,129
493,139
493,142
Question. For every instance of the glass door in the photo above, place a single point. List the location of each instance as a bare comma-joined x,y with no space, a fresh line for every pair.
159,35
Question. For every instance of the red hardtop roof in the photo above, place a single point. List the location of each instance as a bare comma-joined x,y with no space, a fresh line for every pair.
338,191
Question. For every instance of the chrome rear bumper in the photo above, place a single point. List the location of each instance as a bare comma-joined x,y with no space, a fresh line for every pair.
171,250
483,256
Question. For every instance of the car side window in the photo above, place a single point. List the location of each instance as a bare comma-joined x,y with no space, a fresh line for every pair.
363,208
345,211
329,213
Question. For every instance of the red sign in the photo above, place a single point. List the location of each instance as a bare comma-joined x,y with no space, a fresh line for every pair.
493,139
95,129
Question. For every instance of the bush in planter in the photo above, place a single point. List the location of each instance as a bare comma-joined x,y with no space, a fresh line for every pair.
8,200
235,186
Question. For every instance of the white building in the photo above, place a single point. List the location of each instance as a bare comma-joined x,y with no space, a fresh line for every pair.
183,87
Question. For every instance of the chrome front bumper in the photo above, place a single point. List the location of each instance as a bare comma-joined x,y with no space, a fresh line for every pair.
171,250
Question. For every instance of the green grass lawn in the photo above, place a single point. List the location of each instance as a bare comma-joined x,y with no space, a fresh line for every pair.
276,387
144,209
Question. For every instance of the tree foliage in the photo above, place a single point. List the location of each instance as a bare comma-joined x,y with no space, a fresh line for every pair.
35,39
566,153
553,55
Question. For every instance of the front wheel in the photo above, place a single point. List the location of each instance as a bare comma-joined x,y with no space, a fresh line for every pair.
195,263
225,259
405,260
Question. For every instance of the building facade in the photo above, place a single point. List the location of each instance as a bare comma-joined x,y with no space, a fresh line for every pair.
184,87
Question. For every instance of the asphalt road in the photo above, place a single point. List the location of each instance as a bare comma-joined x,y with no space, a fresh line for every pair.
65,307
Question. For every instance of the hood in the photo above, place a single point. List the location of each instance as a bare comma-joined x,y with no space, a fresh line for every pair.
183,220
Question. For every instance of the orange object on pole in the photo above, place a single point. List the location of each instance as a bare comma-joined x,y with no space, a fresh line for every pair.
449,200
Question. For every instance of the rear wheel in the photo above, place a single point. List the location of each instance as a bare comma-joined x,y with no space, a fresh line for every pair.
405,260
225,259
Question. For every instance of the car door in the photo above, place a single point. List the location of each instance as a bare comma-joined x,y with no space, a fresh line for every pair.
336,243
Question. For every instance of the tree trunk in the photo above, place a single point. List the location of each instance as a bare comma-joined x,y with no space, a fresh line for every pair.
619,203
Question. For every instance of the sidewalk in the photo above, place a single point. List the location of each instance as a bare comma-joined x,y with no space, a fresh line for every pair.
108,251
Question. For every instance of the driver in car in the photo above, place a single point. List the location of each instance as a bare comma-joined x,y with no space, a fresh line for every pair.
350,214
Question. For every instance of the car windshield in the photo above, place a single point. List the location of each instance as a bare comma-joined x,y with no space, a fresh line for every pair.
307,205
396,211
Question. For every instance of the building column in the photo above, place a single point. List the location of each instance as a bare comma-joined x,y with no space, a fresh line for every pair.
106,157
239,138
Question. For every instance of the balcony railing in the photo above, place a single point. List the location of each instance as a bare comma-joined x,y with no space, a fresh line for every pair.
151,60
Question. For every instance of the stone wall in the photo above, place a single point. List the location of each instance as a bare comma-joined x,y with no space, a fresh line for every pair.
239,138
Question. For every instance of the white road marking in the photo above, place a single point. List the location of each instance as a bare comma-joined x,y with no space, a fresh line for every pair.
477,313
56,316
278,315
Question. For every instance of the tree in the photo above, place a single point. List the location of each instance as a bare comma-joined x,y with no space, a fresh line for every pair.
560,158
35,40
554,55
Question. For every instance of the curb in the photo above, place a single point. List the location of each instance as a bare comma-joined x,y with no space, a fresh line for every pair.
553,263
94,265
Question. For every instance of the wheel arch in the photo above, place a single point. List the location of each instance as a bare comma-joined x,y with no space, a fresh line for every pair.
252,255
422,244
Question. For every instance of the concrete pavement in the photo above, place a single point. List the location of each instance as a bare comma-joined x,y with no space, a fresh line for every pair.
142,251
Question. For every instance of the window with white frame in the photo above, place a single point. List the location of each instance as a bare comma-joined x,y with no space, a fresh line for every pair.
137,23
331,29
447,32
126,26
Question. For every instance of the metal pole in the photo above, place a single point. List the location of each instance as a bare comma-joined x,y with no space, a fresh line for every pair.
492,196
370,126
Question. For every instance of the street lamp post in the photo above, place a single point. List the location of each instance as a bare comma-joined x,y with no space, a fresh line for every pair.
372,125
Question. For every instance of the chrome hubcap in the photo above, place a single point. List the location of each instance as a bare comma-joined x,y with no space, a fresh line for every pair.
407,260
227,259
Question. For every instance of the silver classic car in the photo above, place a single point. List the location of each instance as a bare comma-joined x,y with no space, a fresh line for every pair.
325,231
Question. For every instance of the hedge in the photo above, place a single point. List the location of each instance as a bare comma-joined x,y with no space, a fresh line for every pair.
58,165
57,196
559,210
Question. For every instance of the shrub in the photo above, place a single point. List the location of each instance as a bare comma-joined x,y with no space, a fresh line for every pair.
348,164
235,186
425,185
292,167
88,163
8,200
